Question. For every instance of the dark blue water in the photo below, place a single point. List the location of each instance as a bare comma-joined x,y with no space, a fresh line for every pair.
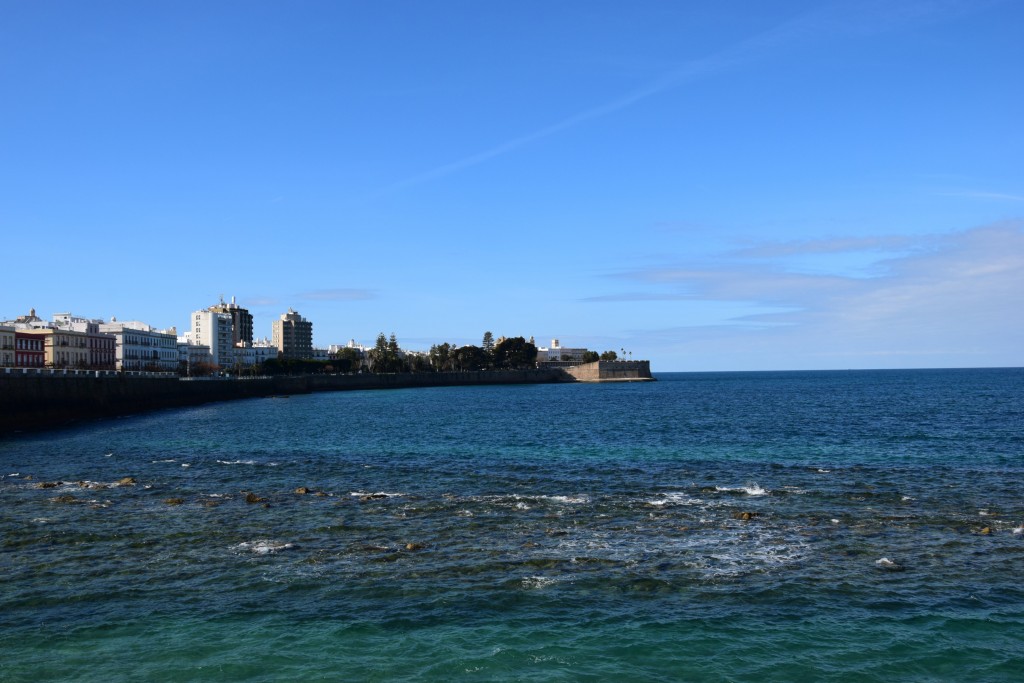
718,526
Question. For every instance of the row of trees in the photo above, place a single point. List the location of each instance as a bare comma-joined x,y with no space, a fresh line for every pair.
512,353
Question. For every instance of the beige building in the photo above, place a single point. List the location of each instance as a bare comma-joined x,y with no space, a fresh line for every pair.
293,336
64,348
6,346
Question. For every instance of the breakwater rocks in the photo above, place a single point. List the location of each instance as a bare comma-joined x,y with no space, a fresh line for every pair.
44,401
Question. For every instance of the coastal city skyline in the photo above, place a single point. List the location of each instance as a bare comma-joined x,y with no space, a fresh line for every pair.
744,186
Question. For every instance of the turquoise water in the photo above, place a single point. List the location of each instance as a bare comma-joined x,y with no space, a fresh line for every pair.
709,526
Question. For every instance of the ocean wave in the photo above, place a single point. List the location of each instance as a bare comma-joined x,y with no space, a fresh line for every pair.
674,498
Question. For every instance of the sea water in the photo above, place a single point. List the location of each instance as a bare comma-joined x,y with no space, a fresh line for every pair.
707,526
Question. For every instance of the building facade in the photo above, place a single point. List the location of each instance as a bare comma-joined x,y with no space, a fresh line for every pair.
101,346
215,329
29,349
65,348
256,353
293,336
6,346
241,321
560,354
193,357
141,347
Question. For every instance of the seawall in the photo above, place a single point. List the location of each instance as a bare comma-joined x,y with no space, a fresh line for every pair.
36,402
612,371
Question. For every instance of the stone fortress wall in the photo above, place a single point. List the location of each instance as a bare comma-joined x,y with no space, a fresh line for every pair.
612,371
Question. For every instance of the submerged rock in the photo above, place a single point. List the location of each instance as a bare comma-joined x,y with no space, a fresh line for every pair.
414,546
886,564
985,531
174,501
302,490
745,516
49,484
65,499
253,498
127,481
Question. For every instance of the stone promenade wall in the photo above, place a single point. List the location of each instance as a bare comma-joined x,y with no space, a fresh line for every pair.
43,402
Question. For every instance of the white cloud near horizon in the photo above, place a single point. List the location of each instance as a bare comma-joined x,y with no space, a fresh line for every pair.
951,296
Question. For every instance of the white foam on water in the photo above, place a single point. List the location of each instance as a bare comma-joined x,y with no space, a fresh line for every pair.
264,547
237,462
377,494
522,506
835,521
674,498
159,461
751,489
568,500
823,471
41,520
107,455
983,513
886,563
186,464
538,582
1019,530
906,498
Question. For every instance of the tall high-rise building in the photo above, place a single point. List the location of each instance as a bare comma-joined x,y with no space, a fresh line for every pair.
241,321
293,336
214,329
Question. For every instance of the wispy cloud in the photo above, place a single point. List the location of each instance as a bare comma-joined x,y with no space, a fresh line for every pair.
821,23
834,245
639,296
340,294
976,194
686,73
956,295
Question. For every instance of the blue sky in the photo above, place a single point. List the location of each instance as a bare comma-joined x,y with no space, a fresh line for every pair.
712,186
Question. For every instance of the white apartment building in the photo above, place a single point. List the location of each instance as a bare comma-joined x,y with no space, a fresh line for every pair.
190,355
256,353
214,329
141,347
559,353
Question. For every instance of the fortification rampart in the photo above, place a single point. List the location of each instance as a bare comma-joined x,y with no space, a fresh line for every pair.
613,371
